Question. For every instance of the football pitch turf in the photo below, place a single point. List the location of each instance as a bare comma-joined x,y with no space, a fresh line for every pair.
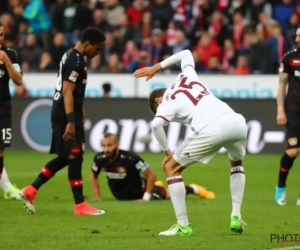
135,226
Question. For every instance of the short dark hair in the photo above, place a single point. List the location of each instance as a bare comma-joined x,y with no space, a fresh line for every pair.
156,93
106,87
93,35
109,134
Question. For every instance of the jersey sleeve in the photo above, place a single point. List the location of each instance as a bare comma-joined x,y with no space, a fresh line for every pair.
139,163
284,65
72,71
96,167
185,57
166,111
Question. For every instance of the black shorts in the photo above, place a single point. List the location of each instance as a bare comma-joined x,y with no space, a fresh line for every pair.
61,147
159,193
6,132
292,131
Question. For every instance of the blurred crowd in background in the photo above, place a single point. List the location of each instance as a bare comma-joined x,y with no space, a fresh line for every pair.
225,36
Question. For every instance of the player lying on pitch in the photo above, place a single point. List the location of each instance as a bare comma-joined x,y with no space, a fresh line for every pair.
123,170
215,125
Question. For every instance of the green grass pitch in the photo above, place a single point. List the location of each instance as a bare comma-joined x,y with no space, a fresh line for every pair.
135,226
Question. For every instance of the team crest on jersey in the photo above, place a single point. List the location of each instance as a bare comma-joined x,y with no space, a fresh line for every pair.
121,170
293,141
73,77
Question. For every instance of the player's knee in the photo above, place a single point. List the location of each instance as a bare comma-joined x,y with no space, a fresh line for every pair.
63,159
292,152
1,152
172,169
235,163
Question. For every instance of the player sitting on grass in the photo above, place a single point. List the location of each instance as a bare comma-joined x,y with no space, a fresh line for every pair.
215,125
123,168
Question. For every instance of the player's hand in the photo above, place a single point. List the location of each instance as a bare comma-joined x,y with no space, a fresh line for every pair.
3,57
140,200
281,118
149,72
166,160
70,132
168,157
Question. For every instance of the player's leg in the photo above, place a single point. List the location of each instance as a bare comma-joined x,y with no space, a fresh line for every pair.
10,191
76,183
236,153
200,191
198,147
177,193
76,150
29,193
1,160
286,163
161,193
49,170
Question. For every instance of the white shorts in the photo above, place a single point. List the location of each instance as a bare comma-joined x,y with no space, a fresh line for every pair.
228,131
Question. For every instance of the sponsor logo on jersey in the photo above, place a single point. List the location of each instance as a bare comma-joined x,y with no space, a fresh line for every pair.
116,175
2,73
73,77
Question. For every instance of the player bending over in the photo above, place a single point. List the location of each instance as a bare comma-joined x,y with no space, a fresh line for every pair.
215,125
123,169
9,71
288,114
67,120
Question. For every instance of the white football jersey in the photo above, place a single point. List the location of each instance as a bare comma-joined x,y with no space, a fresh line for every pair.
189,101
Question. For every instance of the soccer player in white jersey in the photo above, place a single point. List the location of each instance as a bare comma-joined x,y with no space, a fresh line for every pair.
215,125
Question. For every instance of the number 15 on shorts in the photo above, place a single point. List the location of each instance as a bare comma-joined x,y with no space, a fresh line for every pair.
6,135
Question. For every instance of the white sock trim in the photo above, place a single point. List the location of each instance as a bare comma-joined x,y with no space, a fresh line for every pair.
238,169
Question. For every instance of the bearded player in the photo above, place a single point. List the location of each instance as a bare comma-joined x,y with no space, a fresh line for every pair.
123,170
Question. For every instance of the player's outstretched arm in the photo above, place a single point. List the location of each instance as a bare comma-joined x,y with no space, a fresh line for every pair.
185,57
95,186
